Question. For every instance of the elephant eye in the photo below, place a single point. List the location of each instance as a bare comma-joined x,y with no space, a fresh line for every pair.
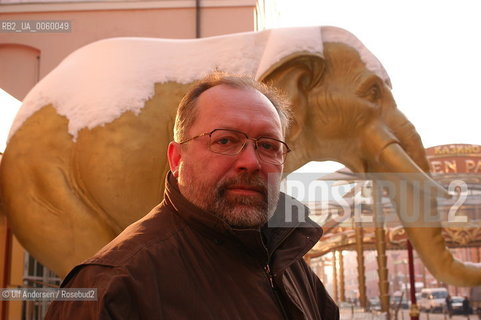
374,93
371,89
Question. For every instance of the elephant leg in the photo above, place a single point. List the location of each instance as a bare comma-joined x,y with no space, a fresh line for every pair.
43,204
121,166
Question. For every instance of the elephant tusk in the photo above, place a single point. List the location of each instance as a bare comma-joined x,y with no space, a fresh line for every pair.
394,159
385,150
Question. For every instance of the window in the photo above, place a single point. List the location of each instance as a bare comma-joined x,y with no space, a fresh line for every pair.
37,276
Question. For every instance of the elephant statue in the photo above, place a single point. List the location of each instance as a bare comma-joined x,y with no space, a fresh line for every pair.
86,155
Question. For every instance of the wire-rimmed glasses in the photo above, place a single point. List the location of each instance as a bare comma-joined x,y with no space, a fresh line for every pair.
231,142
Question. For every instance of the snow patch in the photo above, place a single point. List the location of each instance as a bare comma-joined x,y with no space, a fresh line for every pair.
333,34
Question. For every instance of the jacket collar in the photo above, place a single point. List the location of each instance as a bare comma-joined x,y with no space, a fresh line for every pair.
194,216
288,235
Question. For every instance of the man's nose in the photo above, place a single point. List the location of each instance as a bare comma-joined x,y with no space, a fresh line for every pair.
248,158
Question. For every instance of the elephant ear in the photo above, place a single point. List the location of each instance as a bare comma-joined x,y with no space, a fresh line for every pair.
296,76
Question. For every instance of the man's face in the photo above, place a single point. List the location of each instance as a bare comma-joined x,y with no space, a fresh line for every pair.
241,189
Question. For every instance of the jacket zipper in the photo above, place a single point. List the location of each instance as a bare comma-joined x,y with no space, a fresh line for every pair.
267,269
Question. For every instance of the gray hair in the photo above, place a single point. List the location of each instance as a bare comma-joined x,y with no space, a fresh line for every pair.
187,111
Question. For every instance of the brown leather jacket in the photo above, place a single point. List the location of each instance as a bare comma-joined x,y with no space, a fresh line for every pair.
179,262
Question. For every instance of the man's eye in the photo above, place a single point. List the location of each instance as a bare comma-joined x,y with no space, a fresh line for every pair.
268,146
223,141
226,140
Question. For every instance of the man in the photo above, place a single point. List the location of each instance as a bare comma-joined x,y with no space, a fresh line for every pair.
207,251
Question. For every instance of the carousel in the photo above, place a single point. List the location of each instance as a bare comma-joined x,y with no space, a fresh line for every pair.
372,224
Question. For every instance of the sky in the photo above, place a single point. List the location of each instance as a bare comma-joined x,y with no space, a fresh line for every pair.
430,49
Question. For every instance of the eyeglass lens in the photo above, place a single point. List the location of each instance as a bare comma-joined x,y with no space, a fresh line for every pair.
231,143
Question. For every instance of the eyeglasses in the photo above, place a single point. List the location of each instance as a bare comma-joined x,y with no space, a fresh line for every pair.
232,142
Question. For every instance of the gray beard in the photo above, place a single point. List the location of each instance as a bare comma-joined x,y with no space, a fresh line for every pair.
237,211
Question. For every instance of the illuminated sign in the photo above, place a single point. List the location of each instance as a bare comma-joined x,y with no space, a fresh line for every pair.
455,158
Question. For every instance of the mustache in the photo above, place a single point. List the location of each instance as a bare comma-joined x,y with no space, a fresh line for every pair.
248,180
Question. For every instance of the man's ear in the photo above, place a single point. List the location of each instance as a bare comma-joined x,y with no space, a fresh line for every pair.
174,154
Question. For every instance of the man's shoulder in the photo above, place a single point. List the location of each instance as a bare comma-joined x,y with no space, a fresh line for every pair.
153,230
89,275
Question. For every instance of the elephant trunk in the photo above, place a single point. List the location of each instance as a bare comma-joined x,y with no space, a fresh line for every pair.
414,197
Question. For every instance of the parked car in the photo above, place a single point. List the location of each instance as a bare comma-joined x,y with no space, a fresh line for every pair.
457,303
433,299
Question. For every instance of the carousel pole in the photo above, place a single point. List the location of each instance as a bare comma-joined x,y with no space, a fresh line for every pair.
361,270
334,276
381,248
342,287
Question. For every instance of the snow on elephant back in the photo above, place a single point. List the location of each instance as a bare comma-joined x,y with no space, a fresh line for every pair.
87,152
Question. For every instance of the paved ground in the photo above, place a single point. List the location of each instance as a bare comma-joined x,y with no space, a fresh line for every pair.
347,314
